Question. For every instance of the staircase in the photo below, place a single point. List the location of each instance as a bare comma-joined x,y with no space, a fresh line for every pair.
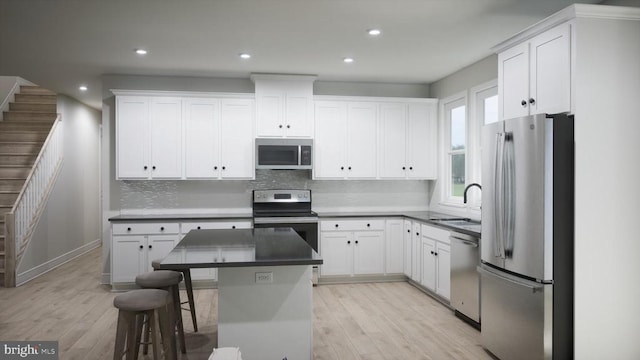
22,133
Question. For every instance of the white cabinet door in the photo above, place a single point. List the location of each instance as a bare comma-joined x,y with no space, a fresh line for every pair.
394,234
165,124
428,263
159,246
369,252
337,253
393,145
270,113
443,270
416,253
236,129
407,237
128,258
422,146
550,77
362,141
132,137
284,107
513,79
535,77
202,124
299,115
331,139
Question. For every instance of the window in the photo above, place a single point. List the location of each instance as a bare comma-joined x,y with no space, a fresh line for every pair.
455,117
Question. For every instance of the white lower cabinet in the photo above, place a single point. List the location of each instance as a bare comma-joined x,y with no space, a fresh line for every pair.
406,240
436,260
394,239
416,254
185,227
352,247
135,245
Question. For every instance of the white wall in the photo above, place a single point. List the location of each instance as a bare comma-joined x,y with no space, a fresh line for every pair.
70,221
607,241
475,74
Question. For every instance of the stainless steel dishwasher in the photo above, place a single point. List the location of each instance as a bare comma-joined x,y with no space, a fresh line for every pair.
465,280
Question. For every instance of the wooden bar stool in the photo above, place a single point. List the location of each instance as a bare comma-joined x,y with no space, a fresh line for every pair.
186,273
166,280
135,306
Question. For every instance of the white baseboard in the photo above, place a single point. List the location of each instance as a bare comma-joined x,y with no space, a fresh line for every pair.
54,263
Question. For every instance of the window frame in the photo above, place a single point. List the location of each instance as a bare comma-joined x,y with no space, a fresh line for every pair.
477,96
446,105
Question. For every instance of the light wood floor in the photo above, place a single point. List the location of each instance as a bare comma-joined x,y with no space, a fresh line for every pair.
353,321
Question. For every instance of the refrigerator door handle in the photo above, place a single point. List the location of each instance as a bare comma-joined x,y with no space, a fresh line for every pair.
534,287
509,201
497,199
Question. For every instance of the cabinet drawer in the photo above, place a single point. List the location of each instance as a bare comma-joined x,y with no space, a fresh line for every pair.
435,233
188,226
352,225
145,228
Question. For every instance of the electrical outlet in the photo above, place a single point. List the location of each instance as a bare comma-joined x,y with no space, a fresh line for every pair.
264,277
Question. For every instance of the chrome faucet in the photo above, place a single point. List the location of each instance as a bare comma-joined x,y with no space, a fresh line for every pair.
467,189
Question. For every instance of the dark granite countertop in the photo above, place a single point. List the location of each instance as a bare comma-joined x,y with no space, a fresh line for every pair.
428,217
180,217
241,248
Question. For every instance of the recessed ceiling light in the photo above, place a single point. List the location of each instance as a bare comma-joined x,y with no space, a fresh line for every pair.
141,51
348,60
245,56
83,88
374,32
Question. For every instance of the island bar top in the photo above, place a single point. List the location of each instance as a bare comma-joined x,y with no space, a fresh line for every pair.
240,248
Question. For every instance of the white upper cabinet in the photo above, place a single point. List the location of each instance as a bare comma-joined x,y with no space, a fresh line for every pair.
284,105
184,137
202,138
346,140
149,137
219,138
166,138
535,76
236,139
408,140
132,137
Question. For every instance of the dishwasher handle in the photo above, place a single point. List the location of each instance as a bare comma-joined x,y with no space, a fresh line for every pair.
464,241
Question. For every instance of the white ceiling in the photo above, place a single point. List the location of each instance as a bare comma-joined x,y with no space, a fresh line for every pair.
61,44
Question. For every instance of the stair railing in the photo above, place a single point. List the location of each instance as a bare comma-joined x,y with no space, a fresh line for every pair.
23,217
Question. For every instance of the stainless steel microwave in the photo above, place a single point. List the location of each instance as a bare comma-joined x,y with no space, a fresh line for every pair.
284,154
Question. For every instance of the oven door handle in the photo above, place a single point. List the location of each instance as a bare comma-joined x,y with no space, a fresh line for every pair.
285,220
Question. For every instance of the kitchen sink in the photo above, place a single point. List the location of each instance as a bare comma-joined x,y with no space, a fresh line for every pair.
460,223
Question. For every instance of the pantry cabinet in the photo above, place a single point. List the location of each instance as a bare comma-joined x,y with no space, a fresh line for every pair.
284,105
535,76
346,140
408,140
135,245
352,247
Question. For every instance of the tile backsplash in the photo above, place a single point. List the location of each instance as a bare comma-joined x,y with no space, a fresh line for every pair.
221,195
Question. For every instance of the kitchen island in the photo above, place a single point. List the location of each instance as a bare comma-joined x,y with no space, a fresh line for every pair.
264,288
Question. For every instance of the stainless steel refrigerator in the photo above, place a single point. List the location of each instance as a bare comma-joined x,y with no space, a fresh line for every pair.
526,266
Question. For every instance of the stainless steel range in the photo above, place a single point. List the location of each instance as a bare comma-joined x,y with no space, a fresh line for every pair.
287,208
